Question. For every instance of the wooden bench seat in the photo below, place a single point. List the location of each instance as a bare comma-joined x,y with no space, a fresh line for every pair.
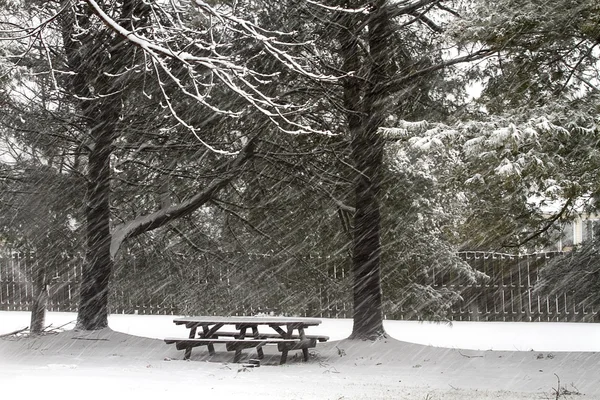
238,345
230,344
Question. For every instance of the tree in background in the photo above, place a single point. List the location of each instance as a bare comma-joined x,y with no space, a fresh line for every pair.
541,92
423,212
36,207
527,149
388,51
112,51
40,183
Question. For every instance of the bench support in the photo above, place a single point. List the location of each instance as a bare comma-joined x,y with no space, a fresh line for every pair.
259,349
188,350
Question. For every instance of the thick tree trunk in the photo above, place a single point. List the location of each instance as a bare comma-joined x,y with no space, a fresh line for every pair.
367,154
368,315
95,63
98,265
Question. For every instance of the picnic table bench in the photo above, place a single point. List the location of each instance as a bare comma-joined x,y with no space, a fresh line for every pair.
282,334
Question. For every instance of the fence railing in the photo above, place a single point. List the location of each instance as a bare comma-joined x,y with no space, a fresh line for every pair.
507,295
16,282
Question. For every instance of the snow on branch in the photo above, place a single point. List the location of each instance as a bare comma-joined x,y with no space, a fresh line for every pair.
361,10
396,84
163,216
404,129
164,43
547,154
409,7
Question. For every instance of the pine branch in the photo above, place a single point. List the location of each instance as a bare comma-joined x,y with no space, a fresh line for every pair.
546,227
397,84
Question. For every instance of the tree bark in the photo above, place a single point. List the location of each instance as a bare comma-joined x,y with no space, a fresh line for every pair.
40,296
367,155
98,265
367,296
95,64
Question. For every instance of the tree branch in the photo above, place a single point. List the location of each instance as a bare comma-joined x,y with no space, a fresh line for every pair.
427,21
256,229
240,79
395,85
164,216
548,225
411,8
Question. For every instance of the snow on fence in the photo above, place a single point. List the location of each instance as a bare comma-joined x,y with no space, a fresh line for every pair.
507,296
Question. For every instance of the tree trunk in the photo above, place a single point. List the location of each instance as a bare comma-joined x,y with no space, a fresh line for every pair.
98,265
95,64
40,297
368,317
367,154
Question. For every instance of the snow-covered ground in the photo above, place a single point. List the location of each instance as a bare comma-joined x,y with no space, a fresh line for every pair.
128,360
502,336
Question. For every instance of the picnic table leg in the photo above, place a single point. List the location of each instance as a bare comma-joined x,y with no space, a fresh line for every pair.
211,347
284,354
238,351
303,338
188,351
259,349
286,335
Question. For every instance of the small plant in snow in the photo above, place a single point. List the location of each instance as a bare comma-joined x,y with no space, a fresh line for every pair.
561,391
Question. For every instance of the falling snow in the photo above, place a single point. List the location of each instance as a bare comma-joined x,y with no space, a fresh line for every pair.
319,158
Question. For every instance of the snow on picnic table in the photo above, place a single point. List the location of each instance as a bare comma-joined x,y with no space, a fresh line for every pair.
127,362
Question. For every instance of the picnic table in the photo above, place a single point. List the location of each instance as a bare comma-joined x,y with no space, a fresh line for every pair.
286,332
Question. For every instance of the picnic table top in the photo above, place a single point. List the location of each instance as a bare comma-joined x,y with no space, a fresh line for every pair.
211,320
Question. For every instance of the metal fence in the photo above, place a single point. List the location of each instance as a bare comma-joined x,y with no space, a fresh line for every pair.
506,296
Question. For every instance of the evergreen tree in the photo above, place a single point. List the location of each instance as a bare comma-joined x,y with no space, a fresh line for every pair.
112,50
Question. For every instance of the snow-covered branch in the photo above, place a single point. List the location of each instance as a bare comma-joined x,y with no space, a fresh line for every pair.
361,10
197,53
163,216
543,152
398,83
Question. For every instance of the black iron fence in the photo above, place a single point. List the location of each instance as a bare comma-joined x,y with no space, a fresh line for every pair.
324,291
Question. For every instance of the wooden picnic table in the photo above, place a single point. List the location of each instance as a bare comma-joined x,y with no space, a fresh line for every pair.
287,332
